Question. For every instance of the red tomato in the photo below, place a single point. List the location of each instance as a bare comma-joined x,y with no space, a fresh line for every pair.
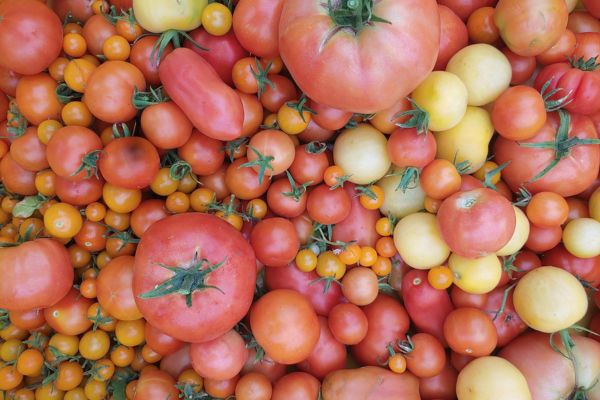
178,361
275,242
359,225
522,66
204,154
194,240
278,93
243,182
274,145
115,293
265,366
328,355
36,98
78,193
147,213
441,386
576,170
585,269
460,298
388,322
348,323
285,324
308,166
543,239
408,148
560,51
370,383
581,21
426,306
223,51
464,8
284,200
453,36
508,323
519,113
593,7
95,31
406,47
470,331
29,152
328,206
165,125
160,342
8,82
296,386
256,25
221,358
190,80
425,355
30,36
329,117
15,178
35,274
142,57
476,223
67,148
587,46
69,315
80,10
155,384
129,162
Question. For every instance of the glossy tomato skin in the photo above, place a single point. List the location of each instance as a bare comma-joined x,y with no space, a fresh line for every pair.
129,162
203,153
370,383
464,8
388,322
223,51
29,152
147,213
95,31
35,274
313,58
173,241
296,386
441,386
359,225
426,306
585,269
81,10
78,193
221,358
256,24
141,56
165,125
571,175
328,355
308,167
328,206
160,342
30,36
476,223
191,80
290,277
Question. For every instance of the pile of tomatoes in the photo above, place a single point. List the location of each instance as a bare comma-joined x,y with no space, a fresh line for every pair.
299,199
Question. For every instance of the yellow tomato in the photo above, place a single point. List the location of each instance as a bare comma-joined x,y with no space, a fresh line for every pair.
581,237
594,205
120,199
444,96
400,203
519,237
467,141
476,275
419,241
549,299
216,19
362,153
77,73
62,220
491,378
485,71
161,15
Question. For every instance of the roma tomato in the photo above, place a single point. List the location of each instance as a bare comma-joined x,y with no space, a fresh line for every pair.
256,25
30,36
35,274
313,58
114,289
191,80
369,383
218,258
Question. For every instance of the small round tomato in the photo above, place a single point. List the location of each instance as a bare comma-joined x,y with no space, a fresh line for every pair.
519,113
360,286
440,278
470,331
275,242
216,19
121,200
547,209
348,323
440,179
74,44
116,48
581,237
328,206
62,220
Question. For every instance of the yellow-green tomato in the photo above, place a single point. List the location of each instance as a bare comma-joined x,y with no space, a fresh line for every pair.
476,275
491,378
467,141
484,70
158,16
581,237
594,205
397,202
444,96
362,154
549,299
419,241
519,237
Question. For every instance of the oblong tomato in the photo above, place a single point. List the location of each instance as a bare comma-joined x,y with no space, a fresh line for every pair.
370,383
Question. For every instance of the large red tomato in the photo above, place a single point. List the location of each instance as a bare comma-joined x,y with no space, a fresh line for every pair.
194,276
351,60
30,36
35,274
476,223
568,168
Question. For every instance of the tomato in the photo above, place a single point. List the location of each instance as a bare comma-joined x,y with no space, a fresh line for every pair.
560,50
328,206
519,236
362,154
278,93
441,386
581,237
578,164
15,178
223,51
243,182
592,7
427,307
409,148
359,224
78,193
588,45
491,376
275,242
62,220
79,10
581,21
221,358
519,113
369,383
388,321
253,113
37,99
265,366
30,37
470,331
29,320
360,286
425,355
256,25
190,80
29,152
142,57
547,209
481,26
95,31
159,15
290,277
147,213
419,241
464,8
308,167
188,316
36,274
285,200
313,59
296,386
276,147
155,384
453,36
69,315
328,355
329,117
285,324
253,386
115,294
129,162
68,147
160,342
348,323
522,67
506,320
109,91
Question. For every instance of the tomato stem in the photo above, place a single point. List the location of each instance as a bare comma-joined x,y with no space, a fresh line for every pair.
409,178
233,146
300,107
418,118
487,182
261,75
174,37
89,164
263,163
65,94
585,65
297,191
353,14
141,100
554,105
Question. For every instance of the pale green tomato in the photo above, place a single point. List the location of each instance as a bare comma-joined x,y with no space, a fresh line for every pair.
549,299
444,96
476,275
519,237
158,16
581,237
484,70
419,241
467,141
362,154
491,378
400,203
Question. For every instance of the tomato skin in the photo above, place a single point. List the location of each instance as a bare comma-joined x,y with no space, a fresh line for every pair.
29,152
290,277
243,182
359,225
328,206
388,322
522,66
147,213
592,7
30,36
281,203
275,242
66,149
586,269
155,384
190,80
81,10
78,193
453,36
160,342
508,324
329,117
426,306
348,323
519,113
370,383
328,355
115,294
141,57
441,386
313,58
307,167
223,51
221,358
35,274
173,241
129,162
464,8
256,24
407,148
470,332
37,99
29,320
15,178
571,176
8,82
296,386
165,125
266,366
587,45
69,315
109,90
560,51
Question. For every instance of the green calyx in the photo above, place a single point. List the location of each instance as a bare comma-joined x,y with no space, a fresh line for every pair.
585,65
141,100
262,76
296,191
353,14
174,37
263,162
65,94
418,118
185,280
300,107
554,105
89,164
